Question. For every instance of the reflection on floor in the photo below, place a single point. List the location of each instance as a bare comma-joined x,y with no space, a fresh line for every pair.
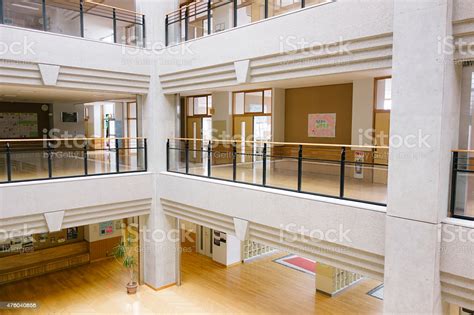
261,286
30,166
326,182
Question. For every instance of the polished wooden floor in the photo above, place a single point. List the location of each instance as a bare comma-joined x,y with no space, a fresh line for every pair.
258,287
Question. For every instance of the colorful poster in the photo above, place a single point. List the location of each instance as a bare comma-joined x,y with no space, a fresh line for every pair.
18,125
322,125
106,228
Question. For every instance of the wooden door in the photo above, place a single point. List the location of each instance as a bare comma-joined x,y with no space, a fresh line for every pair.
243,129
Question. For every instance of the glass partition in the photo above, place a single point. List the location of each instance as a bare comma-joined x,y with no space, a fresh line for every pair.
87,19
462,185
201,18
331,171
24,160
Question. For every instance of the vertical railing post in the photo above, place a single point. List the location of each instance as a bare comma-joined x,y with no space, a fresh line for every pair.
342,172
1,11
303,4
300,166
186,24
264,165
186,147
45,19
209,17
81,16
50,159
167,31
209,158
234,161
235,13
117,156
86,166
114,17
168,155
9,162
454,174
143,31
145,148
266,8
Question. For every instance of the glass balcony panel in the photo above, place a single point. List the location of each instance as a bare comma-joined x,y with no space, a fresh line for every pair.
366,182
464,204
99,27
282,167
29,164
62,20
67,162
278,7
249,11
27,14
222,161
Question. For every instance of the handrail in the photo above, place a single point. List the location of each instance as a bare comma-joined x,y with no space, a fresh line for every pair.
463,151
68,139
111,7
289,143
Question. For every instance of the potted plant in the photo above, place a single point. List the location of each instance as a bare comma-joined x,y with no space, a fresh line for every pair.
124,253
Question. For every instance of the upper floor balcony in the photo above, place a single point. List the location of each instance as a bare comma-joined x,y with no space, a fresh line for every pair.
81,18
462,185
353,173
201,18
42,159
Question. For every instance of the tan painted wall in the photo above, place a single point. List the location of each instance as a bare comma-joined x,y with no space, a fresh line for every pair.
313,100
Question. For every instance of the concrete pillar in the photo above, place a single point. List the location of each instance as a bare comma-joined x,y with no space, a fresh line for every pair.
159,120
425,98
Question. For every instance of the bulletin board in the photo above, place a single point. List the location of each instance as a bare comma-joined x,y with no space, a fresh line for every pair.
18,125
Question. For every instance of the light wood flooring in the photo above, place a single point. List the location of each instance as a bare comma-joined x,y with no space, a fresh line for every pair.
261,286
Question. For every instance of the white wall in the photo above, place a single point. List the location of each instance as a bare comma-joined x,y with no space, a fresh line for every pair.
362,110
227,253
278,115
73,129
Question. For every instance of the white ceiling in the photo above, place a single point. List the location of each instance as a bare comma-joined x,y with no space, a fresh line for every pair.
12,93
303,82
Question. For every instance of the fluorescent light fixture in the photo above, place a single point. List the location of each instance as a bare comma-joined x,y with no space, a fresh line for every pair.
24,6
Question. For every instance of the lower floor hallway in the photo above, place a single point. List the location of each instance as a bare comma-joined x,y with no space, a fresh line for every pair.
260,286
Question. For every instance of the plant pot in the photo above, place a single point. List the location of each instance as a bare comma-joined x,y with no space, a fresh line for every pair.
132,288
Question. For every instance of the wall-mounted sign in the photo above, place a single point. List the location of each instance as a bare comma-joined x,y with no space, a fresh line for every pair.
322,125
106,228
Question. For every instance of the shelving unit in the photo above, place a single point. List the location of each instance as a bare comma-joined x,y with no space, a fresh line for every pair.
251,249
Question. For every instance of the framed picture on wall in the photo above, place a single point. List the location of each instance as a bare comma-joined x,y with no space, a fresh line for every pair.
69,117
322,125
71,233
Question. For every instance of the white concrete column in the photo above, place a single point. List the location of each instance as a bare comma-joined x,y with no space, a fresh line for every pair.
425,98
159,117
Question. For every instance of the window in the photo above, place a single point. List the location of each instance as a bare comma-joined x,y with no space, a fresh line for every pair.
384,94
253,102
199,105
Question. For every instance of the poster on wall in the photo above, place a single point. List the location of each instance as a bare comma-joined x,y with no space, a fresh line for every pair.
322,125
71,233
106,228
18,125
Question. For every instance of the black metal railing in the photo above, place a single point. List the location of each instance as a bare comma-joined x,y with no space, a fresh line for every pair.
202,18
42,159
80,18
462,185
336,171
